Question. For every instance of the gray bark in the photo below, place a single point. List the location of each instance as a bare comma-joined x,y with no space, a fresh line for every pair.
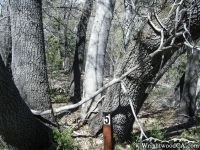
5,35
28,53
66,63
94,68
198,97
139,81
19,129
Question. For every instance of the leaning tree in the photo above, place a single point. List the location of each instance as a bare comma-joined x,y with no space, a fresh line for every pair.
160,38
161,35
19,129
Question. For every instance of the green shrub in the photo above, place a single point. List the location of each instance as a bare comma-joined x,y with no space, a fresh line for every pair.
58,96
154,132
193,133
52,55
115,138
64,140
135,142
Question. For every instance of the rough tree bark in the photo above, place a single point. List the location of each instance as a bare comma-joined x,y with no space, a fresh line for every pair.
19,129
94,68
150,40
187,105
28,53
78,63
5,36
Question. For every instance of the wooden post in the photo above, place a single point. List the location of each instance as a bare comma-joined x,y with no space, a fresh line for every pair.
107,131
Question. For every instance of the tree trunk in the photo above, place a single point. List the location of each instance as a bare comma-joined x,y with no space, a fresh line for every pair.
129,13
5,39
19,129
66,42
188,97
139,81
78,64
198,97
178,91
28,53
94,68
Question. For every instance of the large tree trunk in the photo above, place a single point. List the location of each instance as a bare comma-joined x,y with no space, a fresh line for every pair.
5,36
19,129
78,64
28,53
94,68
140,80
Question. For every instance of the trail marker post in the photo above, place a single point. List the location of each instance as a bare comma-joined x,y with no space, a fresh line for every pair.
107,131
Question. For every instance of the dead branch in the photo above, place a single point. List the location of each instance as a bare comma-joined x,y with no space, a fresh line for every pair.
162,47
115,80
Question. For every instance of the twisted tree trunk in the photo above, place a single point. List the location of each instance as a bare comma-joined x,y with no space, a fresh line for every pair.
19,129
161,43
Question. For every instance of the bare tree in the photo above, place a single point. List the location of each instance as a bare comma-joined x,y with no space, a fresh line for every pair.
66,64
78,63
94,69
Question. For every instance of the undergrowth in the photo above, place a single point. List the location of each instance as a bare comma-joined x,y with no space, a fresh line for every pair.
64,140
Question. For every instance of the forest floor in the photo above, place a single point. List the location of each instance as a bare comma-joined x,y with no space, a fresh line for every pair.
157,118
163,120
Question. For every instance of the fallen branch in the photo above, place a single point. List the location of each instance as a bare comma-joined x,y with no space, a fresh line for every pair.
112,82
79,103
90,112
115,80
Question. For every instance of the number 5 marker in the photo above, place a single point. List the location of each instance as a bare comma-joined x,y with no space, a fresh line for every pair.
107,131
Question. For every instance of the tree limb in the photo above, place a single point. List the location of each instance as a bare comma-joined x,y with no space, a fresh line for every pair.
115,80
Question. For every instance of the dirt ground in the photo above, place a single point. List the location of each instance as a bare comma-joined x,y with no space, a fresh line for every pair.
157,110
150,113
